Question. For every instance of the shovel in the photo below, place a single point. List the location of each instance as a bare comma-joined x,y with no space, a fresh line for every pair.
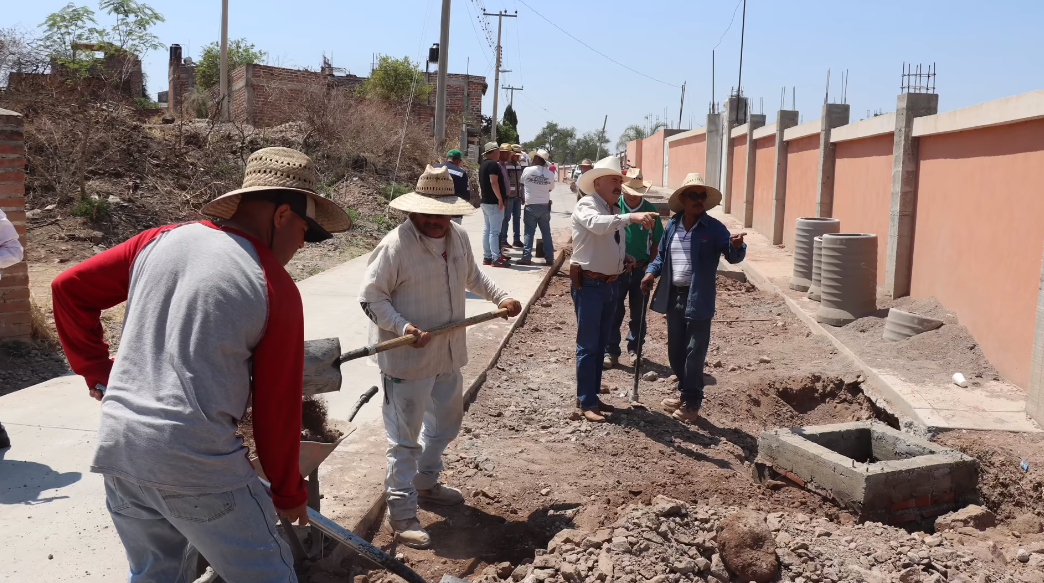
635,402
323,358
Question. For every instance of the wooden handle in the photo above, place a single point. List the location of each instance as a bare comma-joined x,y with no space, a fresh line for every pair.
410,339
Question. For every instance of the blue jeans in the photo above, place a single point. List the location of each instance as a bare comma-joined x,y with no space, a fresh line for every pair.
491,231
162,532
595,307
513,211
687,342
631,290
537,215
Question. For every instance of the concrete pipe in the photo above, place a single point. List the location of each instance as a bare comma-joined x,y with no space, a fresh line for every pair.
817,264
900,325
848,278
808,228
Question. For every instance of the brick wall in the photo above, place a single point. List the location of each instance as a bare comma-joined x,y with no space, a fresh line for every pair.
275,89
14,280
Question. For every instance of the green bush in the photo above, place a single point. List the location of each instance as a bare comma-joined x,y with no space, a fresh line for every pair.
353,215
145,103
92,209
394,190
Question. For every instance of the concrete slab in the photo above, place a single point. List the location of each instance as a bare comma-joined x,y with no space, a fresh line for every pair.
996,406
50,498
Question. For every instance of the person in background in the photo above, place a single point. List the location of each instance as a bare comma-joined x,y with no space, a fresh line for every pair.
538,182
213,322
416,279
688,260
525,159
599,257
10,253
513,203
493,185
579,171
554,169
642,244
454,164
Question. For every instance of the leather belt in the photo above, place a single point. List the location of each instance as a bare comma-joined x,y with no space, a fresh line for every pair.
601,276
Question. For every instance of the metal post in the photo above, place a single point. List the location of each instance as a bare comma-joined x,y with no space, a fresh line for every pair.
223,74
598,152
743,32
440,89
496,76
682,107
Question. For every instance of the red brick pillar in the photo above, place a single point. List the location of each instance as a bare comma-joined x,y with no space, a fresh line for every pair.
14,281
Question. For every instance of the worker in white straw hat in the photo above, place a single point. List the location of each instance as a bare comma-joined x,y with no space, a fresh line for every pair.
213,320
688,260
418,270
599,258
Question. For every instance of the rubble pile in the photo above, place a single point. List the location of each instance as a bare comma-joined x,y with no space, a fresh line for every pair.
674,542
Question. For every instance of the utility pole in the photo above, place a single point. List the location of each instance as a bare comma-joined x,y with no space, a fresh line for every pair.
223,74
512,90
440,88
682,107
496,76
598,152
743,32
467,109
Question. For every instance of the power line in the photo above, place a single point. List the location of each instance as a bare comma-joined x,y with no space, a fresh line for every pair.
518,49
596,51
730,24
473,18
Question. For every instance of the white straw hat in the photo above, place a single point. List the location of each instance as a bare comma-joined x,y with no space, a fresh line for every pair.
634,184
434,196
544,155
282,169
694,181
608,166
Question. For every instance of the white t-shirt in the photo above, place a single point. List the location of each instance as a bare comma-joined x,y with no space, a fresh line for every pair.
538,183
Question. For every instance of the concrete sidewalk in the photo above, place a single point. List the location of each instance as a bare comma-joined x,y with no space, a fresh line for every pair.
51,505
997,405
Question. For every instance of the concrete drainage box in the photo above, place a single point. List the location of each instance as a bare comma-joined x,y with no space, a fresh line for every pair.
879,473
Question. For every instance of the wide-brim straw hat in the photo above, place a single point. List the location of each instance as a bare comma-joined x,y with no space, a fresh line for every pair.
608,166
506,147
634,184
489,147
543,155
434,196
694,181
273,169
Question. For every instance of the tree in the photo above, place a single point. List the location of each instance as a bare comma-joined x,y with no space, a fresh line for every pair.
557,140
395,79
510,117
507,133
593,144
132,29
240,52
62,30
638,132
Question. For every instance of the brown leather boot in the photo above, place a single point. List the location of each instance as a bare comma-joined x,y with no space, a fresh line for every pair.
687,414
671,404
592,416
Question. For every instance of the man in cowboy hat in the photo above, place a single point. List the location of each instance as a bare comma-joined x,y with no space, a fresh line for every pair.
599,258
513,204
642,244
579,171
454,164
493,184
688,260
416,271
213,320
538,182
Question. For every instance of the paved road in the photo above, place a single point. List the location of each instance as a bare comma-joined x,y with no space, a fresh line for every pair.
51,505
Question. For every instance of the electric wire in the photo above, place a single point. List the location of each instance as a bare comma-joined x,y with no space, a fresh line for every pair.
409,104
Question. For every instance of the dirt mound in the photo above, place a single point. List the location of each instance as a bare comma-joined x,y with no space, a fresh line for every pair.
313,422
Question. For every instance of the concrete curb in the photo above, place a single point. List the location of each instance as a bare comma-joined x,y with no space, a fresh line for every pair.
372,518
881,392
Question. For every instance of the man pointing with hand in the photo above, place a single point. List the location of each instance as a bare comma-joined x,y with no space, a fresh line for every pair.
688,259
599,258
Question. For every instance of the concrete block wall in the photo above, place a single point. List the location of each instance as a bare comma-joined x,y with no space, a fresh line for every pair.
765,166
15,319
688,153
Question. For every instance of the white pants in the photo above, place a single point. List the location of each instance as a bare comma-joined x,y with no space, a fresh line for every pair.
421,418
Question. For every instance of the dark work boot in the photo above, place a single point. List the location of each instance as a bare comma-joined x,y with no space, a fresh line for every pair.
4,440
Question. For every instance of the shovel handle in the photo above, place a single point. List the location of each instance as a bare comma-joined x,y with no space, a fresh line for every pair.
410,339
363,548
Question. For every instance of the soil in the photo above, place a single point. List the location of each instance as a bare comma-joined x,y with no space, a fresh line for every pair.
528,468
929,357
313,424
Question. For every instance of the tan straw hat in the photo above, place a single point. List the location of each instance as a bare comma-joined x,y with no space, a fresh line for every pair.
634,184
608,166
434,196
694,181
543,155
516,148
282,169
489,147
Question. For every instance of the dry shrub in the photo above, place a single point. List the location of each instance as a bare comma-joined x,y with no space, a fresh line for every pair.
42,331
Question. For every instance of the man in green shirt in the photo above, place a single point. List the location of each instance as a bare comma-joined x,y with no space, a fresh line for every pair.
642,244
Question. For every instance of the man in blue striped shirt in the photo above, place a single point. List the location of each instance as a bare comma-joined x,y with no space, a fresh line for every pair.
688,260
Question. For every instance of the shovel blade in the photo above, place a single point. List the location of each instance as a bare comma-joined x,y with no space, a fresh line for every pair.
321,374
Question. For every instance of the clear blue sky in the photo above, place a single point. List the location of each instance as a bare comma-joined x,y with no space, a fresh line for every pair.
983,51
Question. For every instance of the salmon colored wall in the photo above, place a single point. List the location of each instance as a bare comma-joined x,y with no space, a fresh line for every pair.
634,153
738,174
685,156
979,228
652,158
863,191
764,176
802,174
